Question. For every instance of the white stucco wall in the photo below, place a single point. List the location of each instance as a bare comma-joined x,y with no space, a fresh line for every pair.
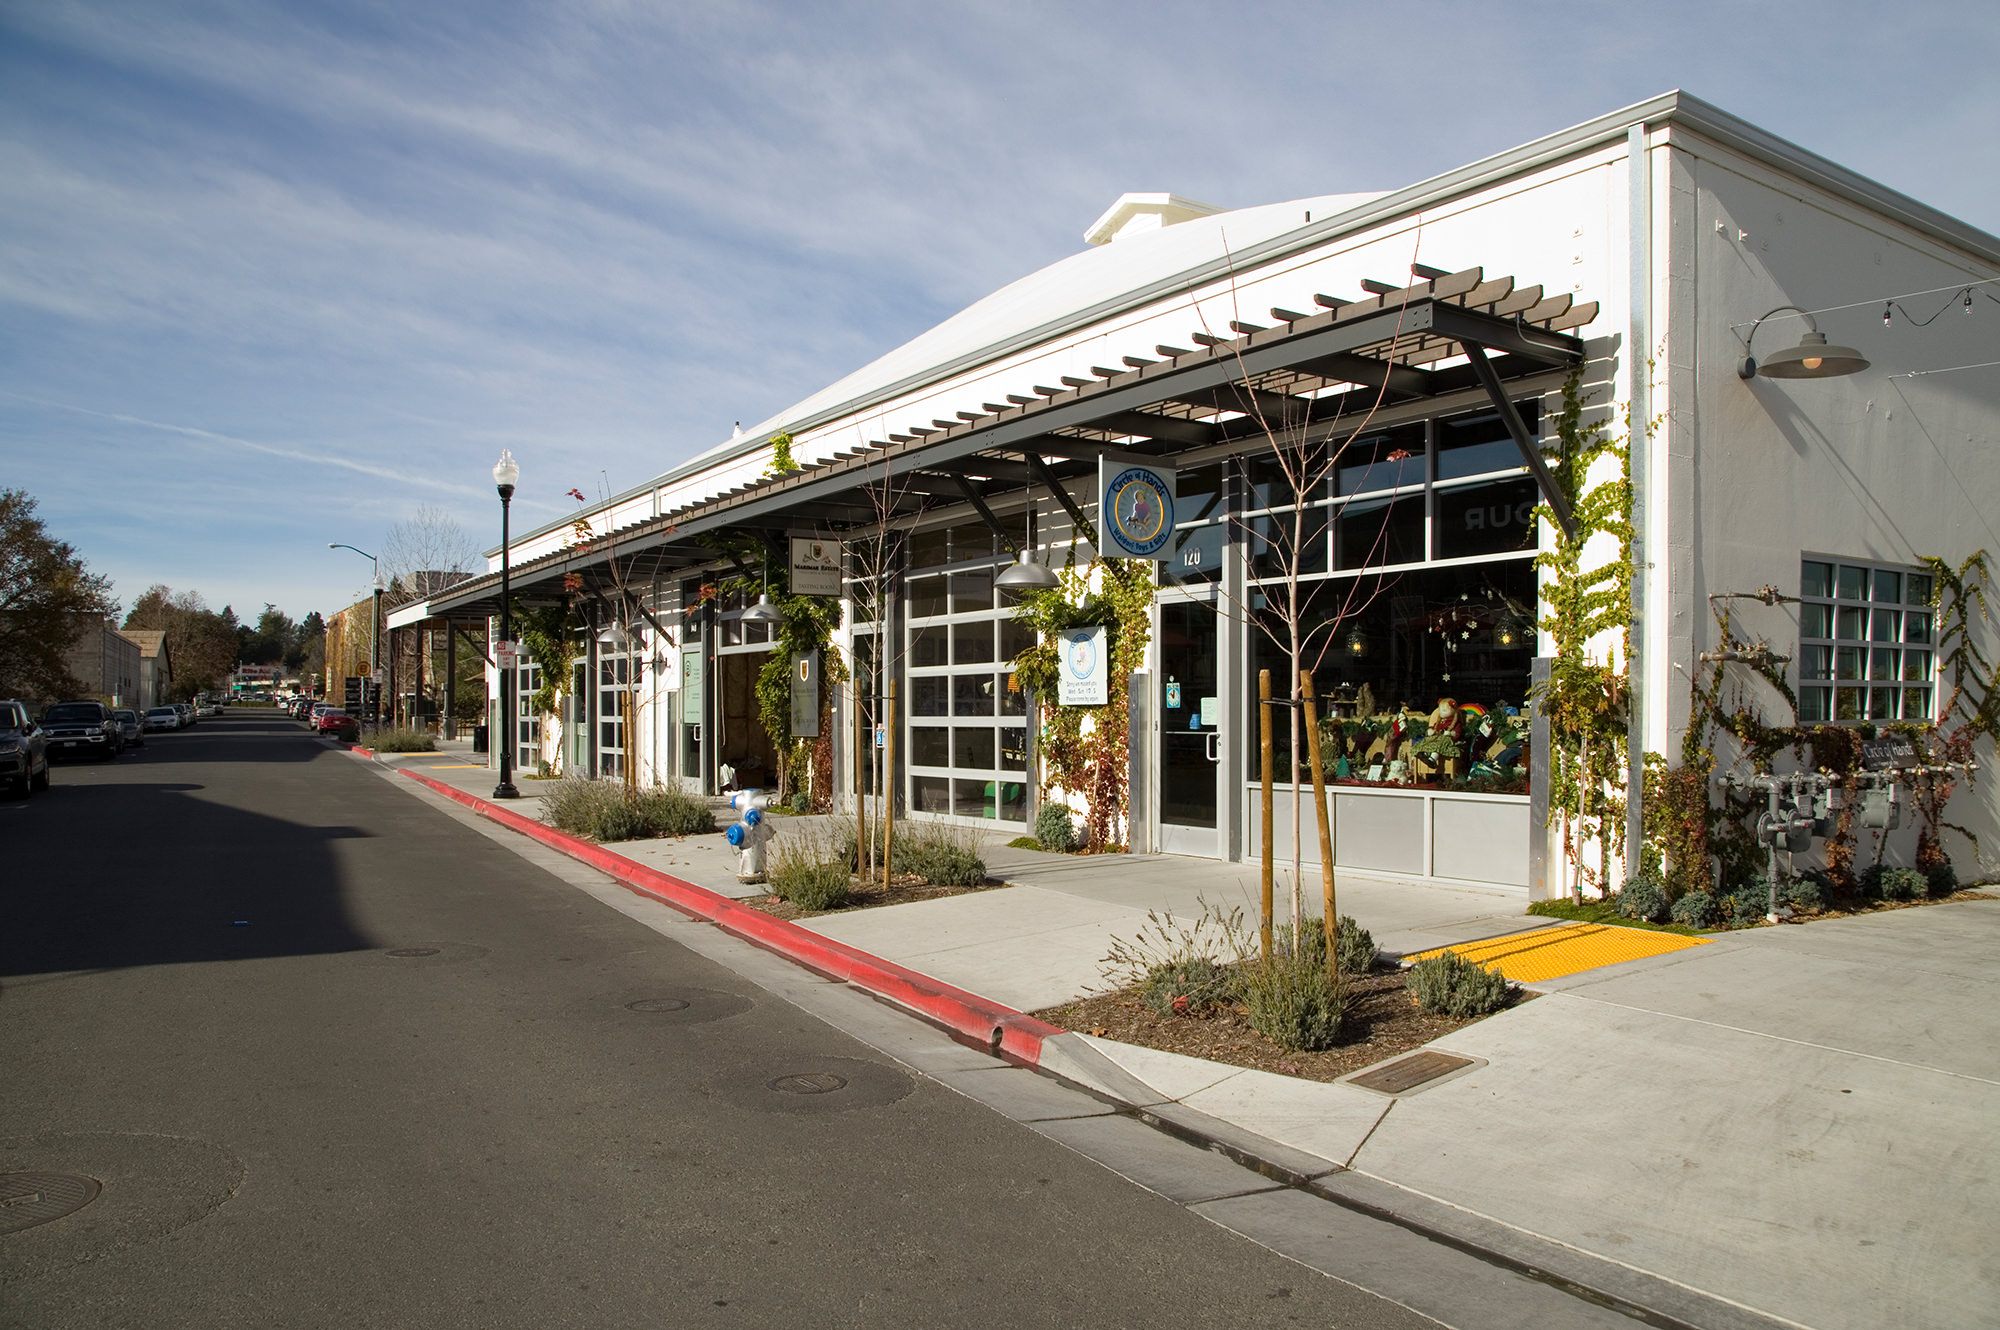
1876,467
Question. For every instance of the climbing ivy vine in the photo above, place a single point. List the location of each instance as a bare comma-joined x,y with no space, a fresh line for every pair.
1586,699
806,624
1087,759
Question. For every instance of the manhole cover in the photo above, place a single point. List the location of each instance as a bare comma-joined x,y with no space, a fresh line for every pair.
1410,1072
415,951
677,1006
817,1085
28,1199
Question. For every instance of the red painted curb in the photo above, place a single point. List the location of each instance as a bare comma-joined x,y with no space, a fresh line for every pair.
1014,1035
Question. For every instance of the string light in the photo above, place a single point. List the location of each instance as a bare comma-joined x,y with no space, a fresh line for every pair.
1962,296
1961,292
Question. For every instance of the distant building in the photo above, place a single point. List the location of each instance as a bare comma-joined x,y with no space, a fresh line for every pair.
105,662
156,667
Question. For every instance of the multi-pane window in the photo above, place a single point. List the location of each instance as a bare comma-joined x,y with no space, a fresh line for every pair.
614,679
967,732
1415,567
1428,492
1866,643
527,721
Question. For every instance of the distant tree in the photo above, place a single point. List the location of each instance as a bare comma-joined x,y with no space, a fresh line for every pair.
46,598
202,642
273,636
306,653
425,554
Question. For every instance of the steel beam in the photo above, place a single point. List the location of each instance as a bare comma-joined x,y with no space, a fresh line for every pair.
986,515
1531,453
1061,496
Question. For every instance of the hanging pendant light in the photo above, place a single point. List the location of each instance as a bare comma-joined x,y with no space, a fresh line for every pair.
763,611
1027,573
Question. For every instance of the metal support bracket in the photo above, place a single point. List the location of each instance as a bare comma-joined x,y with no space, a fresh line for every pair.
972,497
1482,368
1061,496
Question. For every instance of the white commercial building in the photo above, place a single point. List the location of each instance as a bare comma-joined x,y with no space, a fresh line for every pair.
1360,396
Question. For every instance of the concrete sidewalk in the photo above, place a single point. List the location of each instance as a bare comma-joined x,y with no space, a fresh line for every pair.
1792,1121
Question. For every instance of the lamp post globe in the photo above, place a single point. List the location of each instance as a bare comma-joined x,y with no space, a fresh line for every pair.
506,474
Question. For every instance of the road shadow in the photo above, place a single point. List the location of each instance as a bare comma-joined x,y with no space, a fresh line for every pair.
221,848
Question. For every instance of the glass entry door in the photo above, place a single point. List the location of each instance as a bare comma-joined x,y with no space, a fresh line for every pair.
1191,743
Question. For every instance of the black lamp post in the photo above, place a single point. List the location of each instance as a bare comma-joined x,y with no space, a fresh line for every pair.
506,473
375,666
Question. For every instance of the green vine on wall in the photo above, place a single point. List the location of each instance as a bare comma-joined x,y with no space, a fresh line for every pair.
1585,699
546,632
1093,762
806,624
1724,831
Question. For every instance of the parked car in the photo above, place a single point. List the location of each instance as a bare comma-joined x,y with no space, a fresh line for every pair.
24,750
134,728
187,714
162,718
211,707
83,729
337,723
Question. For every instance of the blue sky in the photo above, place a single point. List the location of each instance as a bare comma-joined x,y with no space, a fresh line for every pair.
277,275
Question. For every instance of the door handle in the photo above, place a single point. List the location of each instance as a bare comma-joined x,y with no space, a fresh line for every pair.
1215,745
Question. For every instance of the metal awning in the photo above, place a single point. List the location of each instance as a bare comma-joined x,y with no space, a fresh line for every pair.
1303,376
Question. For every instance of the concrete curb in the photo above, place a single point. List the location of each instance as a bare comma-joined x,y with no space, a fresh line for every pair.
986,1024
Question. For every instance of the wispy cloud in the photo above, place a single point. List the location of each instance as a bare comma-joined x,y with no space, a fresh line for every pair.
379,244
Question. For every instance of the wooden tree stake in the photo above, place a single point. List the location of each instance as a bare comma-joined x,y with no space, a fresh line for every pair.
1265,743
889,786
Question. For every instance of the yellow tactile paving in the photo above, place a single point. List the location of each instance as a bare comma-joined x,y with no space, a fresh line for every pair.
1551,953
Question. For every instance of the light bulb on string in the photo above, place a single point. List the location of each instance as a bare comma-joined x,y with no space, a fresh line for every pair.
1887,311
1968,300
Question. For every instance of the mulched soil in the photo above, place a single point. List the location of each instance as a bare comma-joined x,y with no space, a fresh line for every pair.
902,890
1380,1022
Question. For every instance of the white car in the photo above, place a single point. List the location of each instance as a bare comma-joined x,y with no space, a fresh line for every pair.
161,718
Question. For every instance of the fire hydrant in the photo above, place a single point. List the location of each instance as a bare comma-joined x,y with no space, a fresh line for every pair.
749,833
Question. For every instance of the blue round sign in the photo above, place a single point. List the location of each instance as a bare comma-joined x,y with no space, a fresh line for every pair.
1141,512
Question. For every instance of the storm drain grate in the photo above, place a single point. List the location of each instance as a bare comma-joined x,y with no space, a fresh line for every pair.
415,951
1410,1072
28,1199
808,1082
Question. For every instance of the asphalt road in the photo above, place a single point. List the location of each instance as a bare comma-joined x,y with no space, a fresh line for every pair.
201,1007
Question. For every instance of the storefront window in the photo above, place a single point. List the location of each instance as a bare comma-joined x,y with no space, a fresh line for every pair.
1400,655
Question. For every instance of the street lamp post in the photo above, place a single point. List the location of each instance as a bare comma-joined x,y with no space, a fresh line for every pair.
374,622
506,473
375,666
